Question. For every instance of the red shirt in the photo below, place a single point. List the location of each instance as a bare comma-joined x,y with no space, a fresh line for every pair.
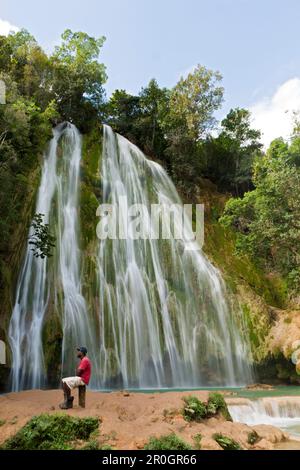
85,366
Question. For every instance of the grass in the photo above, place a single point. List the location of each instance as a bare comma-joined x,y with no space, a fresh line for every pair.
167,442
227,443
55,431
197,440
196,410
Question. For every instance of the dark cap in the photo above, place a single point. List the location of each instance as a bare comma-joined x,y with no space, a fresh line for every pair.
82,349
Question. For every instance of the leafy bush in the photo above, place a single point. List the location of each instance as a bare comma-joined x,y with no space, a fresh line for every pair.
56,431
196,410
167,442
227,443
216,402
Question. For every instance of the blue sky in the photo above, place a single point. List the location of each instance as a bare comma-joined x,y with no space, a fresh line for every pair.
253,43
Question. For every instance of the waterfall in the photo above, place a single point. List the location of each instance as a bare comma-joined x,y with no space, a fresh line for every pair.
282,412
152,313
58,200
165,321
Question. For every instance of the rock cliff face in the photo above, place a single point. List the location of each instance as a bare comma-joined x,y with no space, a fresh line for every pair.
11,262
273,324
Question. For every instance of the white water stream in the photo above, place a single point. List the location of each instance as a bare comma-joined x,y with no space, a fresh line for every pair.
282,412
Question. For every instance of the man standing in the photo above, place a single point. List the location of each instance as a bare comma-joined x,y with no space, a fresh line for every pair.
83,374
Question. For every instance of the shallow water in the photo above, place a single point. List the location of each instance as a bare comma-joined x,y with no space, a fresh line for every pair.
288,390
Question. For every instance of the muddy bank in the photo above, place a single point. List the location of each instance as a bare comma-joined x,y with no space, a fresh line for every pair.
128,420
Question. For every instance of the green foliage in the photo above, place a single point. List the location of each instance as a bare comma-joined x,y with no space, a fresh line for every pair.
167,442
228,158
56,431
197,440
78,77
227,443
217,404
41,238
139,118
106,447
169,124
252,438
277,245
193,101
196,410
92,444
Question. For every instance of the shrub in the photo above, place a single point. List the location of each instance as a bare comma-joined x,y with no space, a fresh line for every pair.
227,443
196,410
216,401
56,431
197,440
167,442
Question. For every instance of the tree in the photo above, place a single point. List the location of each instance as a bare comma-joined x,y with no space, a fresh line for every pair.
122,113
41,238
27,64
237,126
192,103
154,105
78,77
267,218
187,121
139,117
230,156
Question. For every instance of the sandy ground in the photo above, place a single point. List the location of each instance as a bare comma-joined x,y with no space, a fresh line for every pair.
129,419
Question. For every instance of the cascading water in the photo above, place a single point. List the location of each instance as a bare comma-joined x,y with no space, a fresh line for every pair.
164,319
58,201
282,412
151,313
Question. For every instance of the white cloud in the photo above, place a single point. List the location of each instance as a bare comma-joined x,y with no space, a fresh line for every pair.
274,115
6,27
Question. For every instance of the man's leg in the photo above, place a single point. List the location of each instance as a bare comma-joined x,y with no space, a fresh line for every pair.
68,400
66,389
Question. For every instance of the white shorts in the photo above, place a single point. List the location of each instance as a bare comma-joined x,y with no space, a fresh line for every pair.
73,382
